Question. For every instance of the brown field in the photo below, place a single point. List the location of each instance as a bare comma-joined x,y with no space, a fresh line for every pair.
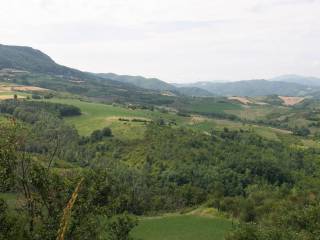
242,100
28,88
5,97
197,119
291,101
170,94
12,88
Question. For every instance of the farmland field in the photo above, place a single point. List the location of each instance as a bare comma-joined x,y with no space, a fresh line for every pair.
184,227
211,106
96,116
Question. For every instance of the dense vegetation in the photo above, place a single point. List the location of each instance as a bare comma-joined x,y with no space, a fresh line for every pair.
65,169
250,178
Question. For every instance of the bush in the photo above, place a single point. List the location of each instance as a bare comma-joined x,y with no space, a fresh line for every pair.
36,96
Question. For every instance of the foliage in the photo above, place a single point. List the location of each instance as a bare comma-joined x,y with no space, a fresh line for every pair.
120,227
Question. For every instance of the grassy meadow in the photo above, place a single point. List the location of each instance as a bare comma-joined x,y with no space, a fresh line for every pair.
97,116
183,227
210,105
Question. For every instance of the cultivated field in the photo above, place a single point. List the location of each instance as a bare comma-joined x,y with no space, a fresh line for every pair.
11,96
242,100
210,105
13,88
291,101
97,116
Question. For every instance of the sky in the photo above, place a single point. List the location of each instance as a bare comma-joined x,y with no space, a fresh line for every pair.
175,40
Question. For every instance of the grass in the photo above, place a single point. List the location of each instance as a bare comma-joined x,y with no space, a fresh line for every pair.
10,95
209,105
182,227
3,119
219,124
97,116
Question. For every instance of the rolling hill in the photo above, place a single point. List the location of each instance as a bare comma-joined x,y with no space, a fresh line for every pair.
40,70
156,84
254,88
139,81
309,81
35,61
43,71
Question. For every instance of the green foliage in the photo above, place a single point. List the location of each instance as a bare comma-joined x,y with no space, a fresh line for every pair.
35,96
119,227
98,135
30,111
303,131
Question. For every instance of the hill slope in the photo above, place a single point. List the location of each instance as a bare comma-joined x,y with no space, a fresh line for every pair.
147,83
254,88
42,71
309,81
33,60
156,84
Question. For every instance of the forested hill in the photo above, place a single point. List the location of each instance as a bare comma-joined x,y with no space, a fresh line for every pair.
148,83
33,60
254,88
156,84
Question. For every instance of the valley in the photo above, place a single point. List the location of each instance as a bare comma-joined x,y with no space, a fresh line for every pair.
151,160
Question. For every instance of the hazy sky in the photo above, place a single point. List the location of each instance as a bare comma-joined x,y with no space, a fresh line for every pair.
175,40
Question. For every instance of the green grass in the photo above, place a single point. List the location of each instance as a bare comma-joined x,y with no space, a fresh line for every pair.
184,227
97,116
11,94
209,105
2,119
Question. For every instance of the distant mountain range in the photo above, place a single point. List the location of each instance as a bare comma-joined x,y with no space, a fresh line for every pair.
156,84
126,86
256,87
309,81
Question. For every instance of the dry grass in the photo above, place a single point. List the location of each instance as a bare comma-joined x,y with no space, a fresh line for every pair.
291,101
28,88
197,119
5,97
12,88
67,212
242,100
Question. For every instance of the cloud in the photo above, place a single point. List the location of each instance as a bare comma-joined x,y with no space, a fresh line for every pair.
171,39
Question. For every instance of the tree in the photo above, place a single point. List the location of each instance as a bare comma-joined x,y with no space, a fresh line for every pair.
119,227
